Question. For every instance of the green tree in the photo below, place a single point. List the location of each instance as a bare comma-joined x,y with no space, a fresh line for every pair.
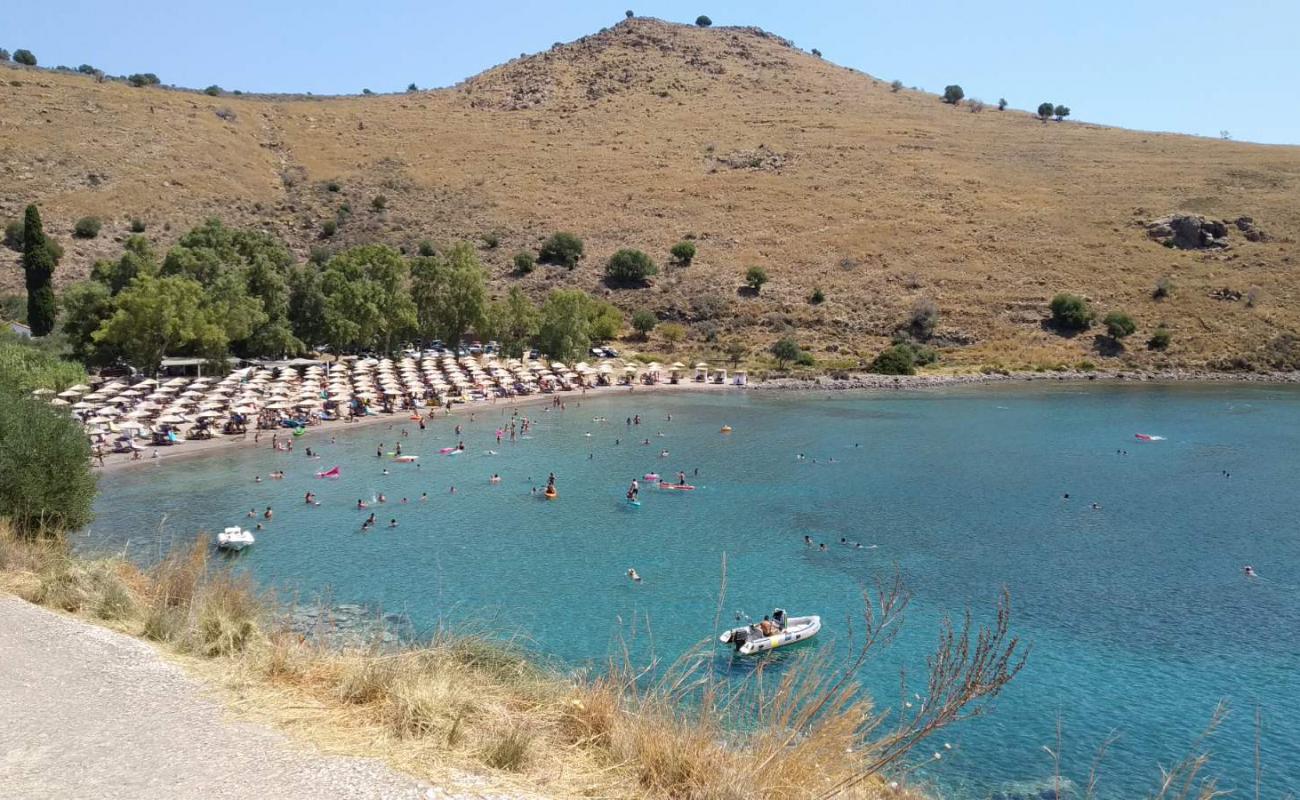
563,249
606,320
684,253
366,300
897,359
1002,104
644,321
138,259
629,268
953,94
736,350
513,322
785,350
450,293
25,57
140,79
565,328
307,306
4,55
46,485
1071,312
703,21
87,305
896,85
411,87
673,333
28,364
1045,111
213,91
157,316
40,257
1119,325
755,277
1061,112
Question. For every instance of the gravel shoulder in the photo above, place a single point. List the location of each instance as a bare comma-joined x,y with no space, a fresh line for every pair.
88,712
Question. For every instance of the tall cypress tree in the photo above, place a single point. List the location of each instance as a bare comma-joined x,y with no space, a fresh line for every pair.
39,260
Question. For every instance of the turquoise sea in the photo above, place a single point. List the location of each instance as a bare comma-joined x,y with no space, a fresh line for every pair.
1139,614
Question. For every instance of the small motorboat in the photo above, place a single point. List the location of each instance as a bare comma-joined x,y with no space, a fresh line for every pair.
234,538
681,487
749,640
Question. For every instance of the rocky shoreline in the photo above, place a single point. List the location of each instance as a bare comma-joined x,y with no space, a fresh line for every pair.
871,381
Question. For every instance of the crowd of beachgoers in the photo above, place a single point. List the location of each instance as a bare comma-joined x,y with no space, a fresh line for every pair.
146,419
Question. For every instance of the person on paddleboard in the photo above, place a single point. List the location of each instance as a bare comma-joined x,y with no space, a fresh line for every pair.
633,490
681,478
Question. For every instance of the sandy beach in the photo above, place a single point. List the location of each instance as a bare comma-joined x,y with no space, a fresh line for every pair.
226,444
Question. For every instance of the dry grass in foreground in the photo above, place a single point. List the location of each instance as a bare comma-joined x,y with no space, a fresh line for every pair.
470,704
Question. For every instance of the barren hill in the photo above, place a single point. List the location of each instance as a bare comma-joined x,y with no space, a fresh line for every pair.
649,132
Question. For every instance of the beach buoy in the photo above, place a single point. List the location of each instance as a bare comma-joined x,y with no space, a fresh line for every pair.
550,494
726,429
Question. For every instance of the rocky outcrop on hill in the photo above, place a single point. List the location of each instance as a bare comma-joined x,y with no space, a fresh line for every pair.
1195,232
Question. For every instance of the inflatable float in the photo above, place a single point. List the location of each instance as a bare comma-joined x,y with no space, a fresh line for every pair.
406,459
550,494
681,487
1146,437
726,429
299,431
332,472
650,476
748,640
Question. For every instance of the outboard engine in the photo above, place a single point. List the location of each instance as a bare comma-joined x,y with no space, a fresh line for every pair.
739,636
779,617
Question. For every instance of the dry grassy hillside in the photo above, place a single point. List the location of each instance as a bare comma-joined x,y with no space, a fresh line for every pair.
649,132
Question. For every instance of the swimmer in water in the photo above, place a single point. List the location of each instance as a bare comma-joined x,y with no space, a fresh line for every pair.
258,479
392,523
424,496
807,540
631,573
385,472
252,512
267,515
360,504
822,547
382,499
1249,571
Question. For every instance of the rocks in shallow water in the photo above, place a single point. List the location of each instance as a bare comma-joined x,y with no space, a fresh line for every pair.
351,625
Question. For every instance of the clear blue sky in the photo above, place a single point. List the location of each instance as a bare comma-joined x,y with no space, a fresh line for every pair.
1194,66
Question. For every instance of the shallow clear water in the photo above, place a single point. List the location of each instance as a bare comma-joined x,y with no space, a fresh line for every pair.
1139,614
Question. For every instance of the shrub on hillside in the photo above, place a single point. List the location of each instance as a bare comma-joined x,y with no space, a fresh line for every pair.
817,297
1160,339
1002,104
684,253
137,225
1070,312
644,321
805,359
524,262
329,228
1061,112
213,91
975,105
14,235
785,350
140,79
898,359
46,485
491,240
563,249
87,228
25,57
896,86
379,202
673,332
952,94
86,69
1164,288
1045,111
4,55
1119,325
333,186
630,267
411,87
923,319
703,21
755,277
628,14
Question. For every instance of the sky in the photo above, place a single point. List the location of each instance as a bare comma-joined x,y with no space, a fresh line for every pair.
1196,66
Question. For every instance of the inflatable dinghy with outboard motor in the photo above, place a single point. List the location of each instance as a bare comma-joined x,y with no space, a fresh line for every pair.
750,639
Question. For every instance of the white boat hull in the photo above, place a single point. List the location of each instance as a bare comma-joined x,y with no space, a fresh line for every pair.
750,641
235,539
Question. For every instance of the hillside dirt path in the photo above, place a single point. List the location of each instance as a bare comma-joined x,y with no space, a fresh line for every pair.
88,712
